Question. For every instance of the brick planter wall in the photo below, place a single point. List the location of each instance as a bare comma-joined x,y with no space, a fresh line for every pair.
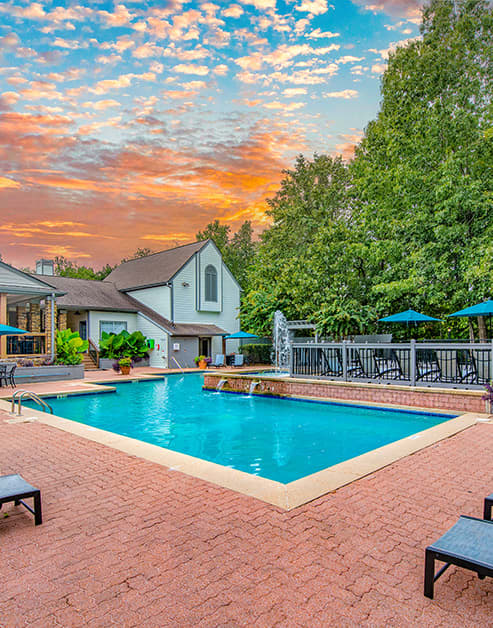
439,398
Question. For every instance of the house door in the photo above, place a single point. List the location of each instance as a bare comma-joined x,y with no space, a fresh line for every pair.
205,347
83,330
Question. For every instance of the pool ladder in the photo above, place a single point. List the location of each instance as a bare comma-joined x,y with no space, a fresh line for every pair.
19,395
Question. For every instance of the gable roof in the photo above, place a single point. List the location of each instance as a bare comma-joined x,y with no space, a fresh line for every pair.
90,295
15,281
155,269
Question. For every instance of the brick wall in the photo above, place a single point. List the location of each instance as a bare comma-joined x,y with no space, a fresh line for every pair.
463,400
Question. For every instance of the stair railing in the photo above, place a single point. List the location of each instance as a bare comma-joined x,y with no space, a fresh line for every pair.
93,352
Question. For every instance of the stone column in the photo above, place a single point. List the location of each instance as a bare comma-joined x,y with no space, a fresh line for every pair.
47,317
62,319
35,312
21,317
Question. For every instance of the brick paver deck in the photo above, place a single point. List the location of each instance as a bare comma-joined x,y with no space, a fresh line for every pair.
130,543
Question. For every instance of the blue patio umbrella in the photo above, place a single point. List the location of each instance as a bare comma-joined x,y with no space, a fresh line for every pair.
240,334
409,316
7,330
480,309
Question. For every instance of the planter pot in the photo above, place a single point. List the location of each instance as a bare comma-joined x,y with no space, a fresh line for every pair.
107,363
125,370
202,364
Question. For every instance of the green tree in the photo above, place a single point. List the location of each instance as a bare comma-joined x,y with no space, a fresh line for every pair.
68,268
140,252
423,173
238,250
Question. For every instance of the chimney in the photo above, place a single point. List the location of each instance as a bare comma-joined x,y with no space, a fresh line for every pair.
45,267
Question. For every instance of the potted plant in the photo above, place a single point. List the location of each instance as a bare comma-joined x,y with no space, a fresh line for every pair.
125,364
202,361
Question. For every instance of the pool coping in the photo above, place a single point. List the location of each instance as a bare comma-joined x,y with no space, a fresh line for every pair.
284,496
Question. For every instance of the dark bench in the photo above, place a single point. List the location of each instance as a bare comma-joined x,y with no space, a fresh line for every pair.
468,544
488,507
14,488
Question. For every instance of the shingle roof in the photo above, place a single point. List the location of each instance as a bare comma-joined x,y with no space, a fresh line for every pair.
155,269
103,295
87,294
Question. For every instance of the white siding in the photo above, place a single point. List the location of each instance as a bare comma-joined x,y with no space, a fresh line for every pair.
209,255
10,279
185,309
96,316
158,357
157,298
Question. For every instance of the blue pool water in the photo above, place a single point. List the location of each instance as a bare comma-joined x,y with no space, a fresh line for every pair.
279,439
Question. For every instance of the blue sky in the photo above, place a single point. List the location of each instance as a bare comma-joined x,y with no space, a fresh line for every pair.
135,123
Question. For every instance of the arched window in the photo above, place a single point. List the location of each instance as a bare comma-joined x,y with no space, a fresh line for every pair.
210,283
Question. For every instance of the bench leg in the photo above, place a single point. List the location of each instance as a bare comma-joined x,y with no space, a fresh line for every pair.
38,519
429,574
488,505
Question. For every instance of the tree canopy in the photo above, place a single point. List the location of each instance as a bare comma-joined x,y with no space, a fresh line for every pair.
408,222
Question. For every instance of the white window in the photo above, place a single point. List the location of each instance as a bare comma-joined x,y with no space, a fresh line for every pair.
210,283
111,327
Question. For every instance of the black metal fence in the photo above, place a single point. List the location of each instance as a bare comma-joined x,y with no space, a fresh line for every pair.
26,344
460,365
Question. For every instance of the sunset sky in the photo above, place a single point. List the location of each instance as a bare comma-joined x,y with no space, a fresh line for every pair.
134,124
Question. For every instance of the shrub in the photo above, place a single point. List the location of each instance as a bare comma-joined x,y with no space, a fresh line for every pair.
69,347
123,345
257,354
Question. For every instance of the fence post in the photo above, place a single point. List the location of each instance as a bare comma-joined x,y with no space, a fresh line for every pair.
344,360
290,359
412,365
491,365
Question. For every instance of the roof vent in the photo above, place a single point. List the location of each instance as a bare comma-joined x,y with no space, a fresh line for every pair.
45,267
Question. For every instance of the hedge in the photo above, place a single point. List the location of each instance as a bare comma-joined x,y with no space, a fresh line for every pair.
257,354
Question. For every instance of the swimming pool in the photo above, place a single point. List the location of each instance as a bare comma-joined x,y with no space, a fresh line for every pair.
277,439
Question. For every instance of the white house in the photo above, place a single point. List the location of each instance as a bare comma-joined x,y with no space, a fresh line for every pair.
185,299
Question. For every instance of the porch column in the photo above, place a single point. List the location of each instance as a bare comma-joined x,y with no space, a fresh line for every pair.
35,317
62,319
21,317
50,318
3,321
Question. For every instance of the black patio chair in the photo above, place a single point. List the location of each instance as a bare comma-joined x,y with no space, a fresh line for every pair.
355,364
387,365
8,373
331,362
467,371
14,488
427,366
468,544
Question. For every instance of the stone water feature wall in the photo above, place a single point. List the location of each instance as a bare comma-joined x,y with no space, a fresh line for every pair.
438,398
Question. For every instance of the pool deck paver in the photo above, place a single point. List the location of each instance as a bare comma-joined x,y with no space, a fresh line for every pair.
130,543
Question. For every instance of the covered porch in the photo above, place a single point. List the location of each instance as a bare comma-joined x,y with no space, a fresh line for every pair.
30,304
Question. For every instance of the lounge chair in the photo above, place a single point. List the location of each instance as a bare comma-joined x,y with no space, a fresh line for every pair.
427,366
355,364
468,544
467,372
14,488
239,359
331,362
387,365
219,361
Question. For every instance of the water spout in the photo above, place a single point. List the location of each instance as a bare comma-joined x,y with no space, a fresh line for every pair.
252,387
281,341
220,385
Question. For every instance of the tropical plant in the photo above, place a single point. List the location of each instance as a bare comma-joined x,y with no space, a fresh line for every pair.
202,358
257,354
69,347
125,362
115,346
